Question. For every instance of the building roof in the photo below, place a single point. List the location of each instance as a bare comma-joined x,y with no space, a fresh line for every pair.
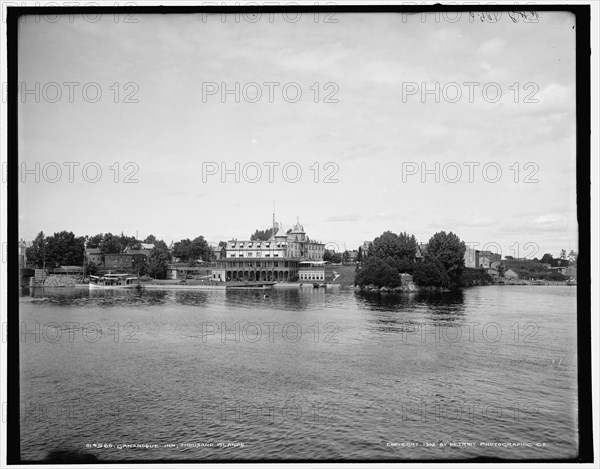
137,251
298,228
93,251
71,268
147,246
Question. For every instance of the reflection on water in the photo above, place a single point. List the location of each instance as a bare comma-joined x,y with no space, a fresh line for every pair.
297,374
400,313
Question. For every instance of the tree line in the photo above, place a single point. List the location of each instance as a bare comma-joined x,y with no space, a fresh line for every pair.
65,248
440,263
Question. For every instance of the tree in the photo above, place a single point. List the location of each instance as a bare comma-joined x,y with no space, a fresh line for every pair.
359,257
157,262
192,250
37,252
262,235
111,244
91,268
181,249
431,273
95,241
128,242
159,243
394,247
200,249
547,258
377,272
555,276
64,248
563,254
450,251
150,239
332,257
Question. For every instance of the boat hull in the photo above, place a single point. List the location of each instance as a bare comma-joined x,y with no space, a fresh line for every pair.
111,287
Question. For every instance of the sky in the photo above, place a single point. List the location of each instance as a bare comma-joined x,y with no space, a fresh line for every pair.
383,97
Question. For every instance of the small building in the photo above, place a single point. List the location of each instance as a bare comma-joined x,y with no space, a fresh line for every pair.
511,275
559,265
176,271
138,258
312,271
405,279
119,262
352,255
93,255
493,273
471,258
68,270
218,252
366,245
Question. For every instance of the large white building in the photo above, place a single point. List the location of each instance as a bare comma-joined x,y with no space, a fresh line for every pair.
276,259
294,244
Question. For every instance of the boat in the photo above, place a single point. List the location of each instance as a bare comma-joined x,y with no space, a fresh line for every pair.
113,281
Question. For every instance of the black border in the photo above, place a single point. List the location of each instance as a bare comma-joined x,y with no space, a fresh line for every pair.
583,111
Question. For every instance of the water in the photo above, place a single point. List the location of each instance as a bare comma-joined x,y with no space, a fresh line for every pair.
308,374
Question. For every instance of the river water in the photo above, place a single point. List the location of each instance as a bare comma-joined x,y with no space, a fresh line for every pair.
298,374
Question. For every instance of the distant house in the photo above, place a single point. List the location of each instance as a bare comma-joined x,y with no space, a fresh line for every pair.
352,255
180,270
118,262
365,247
93,255
495,264
218,252
68,270
492,256
406,279
559,265
511,275
493,272
471,258
484,262
138,258
23,245
421,251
